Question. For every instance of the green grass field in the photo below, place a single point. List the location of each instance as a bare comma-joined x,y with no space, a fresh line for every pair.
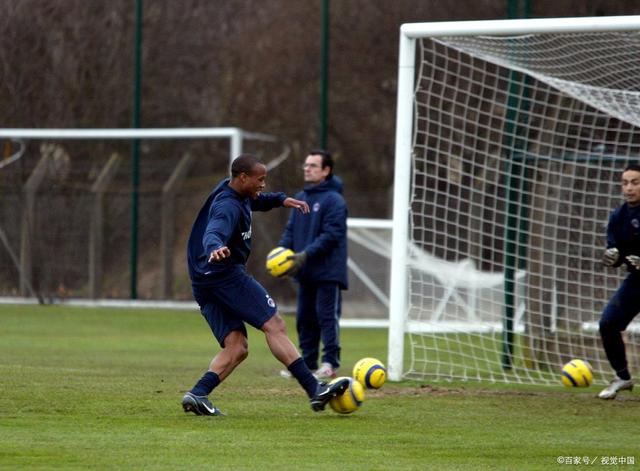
101,389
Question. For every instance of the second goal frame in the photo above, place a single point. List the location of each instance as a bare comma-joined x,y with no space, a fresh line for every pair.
405,139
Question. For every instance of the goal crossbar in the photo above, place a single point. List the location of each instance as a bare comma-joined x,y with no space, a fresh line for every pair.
520,27
235,135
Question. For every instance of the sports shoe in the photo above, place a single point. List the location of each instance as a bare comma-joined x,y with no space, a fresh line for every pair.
326,391
286,374
616,384
199,405
325,371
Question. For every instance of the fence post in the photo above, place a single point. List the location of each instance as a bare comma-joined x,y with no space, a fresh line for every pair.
96,225
167,231
28,222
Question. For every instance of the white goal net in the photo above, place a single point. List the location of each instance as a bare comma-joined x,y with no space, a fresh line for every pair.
511,138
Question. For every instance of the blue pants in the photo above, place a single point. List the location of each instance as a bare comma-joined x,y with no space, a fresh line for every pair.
620,311
319,309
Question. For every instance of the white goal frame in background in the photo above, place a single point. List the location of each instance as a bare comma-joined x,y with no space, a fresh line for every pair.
409,34
236,136
371,235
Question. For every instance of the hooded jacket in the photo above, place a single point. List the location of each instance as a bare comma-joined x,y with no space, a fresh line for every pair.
322,233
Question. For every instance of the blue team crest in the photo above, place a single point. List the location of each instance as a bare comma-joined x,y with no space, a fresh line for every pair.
316,207
635,223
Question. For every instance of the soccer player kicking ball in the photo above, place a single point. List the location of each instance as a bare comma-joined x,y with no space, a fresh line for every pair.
218,249
623,246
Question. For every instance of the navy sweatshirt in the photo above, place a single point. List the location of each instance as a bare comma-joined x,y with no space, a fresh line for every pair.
224,220
623,232
322,233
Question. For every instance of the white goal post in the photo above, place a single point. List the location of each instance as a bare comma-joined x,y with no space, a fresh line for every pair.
510,135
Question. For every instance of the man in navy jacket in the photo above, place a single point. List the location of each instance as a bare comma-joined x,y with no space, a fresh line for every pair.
319,240
623,246
218,248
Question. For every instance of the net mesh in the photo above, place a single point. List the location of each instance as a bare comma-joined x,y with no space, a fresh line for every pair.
518,147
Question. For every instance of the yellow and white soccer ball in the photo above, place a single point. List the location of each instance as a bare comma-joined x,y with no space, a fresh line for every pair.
370,373
350,400
277,263
577,373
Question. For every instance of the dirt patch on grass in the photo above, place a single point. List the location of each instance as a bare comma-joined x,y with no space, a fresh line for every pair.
439,391
292,389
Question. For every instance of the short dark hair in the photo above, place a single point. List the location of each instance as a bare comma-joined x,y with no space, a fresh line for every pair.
327,160
244,163
635,167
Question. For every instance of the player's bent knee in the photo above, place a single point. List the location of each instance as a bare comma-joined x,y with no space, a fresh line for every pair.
607,327
237,346
237,353
240,354
274,325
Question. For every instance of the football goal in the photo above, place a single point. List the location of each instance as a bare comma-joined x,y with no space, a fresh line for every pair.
66,226
510,140
68,193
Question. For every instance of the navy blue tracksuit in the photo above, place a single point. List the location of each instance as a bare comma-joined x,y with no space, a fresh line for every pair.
322,234
623,232
227,295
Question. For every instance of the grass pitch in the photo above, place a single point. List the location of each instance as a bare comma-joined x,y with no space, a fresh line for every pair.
101,389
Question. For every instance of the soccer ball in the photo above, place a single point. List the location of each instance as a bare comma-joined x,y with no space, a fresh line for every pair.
277,263
350,400
577,373
370,373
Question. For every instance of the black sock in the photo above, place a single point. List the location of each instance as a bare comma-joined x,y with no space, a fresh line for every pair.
624,374
207,383
301,372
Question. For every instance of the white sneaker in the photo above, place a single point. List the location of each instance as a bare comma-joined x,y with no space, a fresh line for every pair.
616,384
286,374
325,371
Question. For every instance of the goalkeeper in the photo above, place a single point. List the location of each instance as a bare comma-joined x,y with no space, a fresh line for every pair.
219,245
623,246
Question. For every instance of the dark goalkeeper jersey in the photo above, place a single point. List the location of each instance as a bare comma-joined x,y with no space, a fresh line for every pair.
623,232
224,220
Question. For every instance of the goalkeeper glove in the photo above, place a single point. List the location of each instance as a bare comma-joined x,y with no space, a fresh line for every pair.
610,257
634,260
298,260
